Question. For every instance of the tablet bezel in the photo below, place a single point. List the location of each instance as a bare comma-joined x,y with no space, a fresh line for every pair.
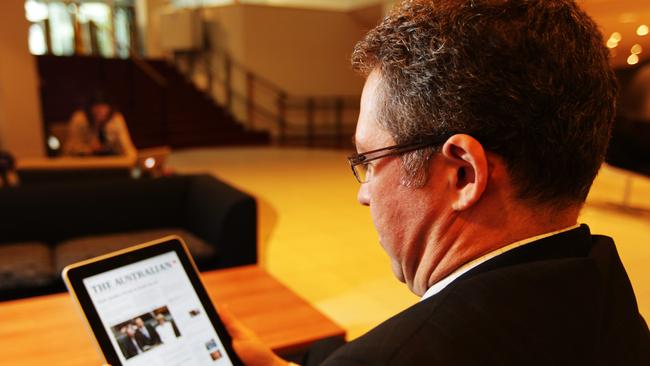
74,274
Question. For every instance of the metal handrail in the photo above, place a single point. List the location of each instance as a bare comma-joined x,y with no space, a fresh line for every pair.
260,93
236,65
152,73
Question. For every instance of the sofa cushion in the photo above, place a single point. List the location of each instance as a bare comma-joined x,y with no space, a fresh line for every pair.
26,264
78,249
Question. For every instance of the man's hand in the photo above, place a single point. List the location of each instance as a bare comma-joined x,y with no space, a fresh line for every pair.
247,345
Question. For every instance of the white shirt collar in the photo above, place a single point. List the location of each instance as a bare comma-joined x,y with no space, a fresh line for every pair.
440,285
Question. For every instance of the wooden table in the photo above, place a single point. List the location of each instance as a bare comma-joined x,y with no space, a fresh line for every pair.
48,330
76,163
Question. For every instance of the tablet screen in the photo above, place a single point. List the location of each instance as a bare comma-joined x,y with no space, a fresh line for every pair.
153,315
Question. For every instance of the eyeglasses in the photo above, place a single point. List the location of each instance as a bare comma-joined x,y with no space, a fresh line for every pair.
360,163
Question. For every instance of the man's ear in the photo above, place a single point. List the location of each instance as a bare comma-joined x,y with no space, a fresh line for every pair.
469,160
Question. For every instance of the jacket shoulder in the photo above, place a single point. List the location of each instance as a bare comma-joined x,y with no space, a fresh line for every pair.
546,311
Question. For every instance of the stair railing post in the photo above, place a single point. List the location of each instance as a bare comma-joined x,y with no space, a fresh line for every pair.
134,40
228,82
207,60
310,122
111,9
163,116
47,29
94,42
282,117
338,121
250,98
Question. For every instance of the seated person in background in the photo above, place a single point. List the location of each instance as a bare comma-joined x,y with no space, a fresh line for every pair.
8,175
99,129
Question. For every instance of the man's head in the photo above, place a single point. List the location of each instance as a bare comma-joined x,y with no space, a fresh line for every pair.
129,330
530,80
139,322
101,111
522,97
99,107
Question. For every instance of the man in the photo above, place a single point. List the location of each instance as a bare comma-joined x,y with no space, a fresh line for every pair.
482,126
128,344
146,335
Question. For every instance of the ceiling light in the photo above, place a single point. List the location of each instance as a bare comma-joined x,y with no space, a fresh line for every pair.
636,49
53,143
616,37
611,43
633,60
150,163
642,30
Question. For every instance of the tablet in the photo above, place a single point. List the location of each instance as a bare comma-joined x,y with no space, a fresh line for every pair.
146,305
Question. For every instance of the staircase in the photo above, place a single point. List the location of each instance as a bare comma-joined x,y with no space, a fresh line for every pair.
194,119
160,106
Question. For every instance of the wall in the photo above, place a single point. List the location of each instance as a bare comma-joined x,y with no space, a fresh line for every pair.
227,29
21,129
306,52
2,128
147,20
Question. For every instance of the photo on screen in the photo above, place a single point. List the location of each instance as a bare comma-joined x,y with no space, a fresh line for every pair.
145,332
215,352
195,312
216,355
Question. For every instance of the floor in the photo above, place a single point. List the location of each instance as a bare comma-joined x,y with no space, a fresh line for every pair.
320,242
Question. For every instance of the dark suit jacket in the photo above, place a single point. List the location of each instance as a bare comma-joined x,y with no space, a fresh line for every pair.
128,348
143,340
562,300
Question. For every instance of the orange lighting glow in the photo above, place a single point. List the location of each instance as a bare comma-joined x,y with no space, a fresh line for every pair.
642,30
611,43
53,143
633,60
613,40
636,49
150,163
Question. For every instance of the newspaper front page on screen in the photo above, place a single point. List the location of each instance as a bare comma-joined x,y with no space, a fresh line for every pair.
153,315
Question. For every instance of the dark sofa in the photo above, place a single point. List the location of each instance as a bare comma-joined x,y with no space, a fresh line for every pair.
45,227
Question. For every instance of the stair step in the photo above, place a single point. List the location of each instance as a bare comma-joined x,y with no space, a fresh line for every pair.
190,116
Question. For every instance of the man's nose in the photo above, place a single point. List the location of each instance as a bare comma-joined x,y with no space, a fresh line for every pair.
363,196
